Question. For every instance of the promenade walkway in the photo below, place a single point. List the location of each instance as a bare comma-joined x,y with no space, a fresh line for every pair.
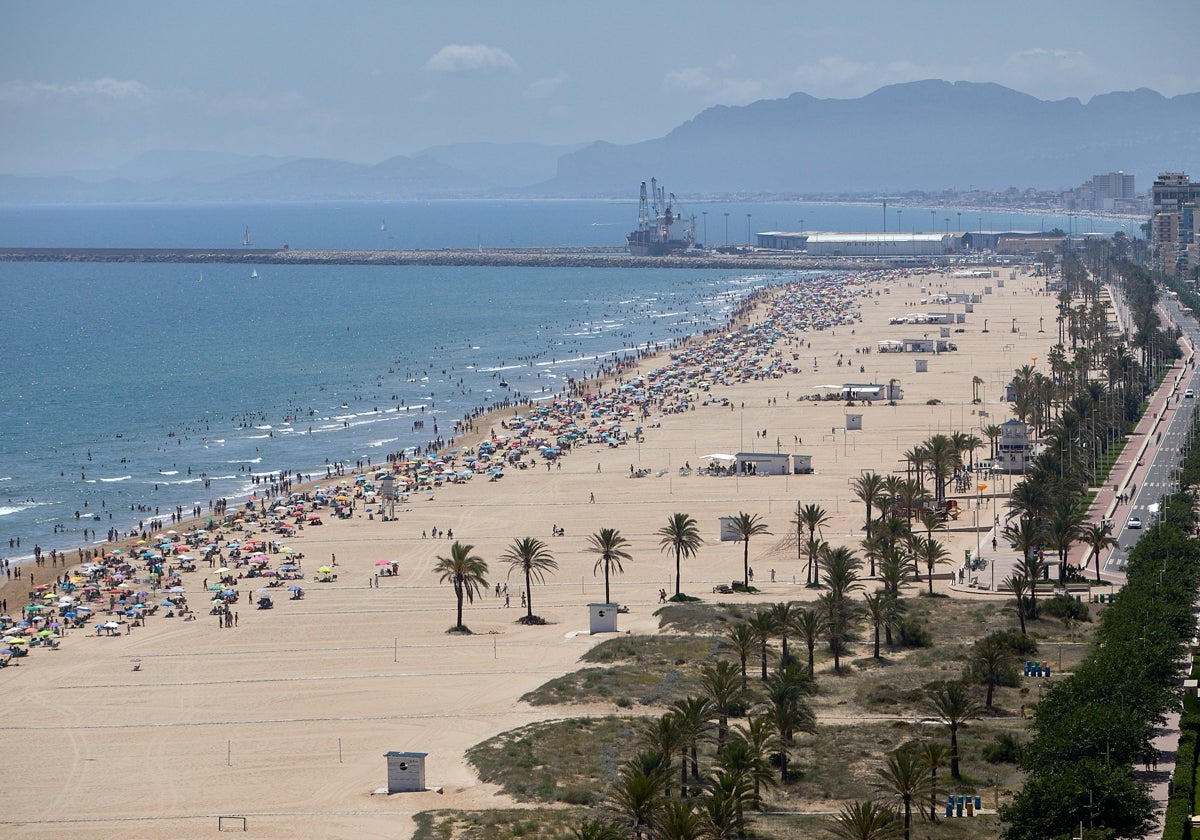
1129,474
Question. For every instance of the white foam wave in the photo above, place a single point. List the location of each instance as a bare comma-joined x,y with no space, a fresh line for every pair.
168,472
246,461
118,478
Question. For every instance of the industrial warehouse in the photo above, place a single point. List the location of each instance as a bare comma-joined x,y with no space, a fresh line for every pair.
909,244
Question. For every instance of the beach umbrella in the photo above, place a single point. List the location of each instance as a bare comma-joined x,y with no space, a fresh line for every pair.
293,588
325,570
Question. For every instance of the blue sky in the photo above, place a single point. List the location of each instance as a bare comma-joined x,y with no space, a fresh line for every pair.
86,85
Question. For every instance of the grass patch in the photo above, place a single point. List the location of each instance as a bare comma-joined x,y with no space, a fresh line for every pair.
571,761
531,824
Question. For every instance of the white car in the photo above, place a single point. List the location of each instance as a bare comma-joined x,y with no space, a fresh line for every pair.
1134,522
1189,394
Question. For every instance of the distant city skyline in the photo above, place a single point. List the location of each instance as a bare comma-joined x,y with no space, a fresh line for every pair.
87,86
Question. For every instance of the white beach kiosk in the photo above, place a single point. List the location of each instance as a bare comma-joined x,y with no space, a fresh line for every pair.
405,771
603,618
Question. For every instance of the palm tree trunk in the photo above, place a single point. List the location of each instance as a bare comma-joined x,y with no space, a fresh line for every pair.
458,592
954,752
677,570
528,598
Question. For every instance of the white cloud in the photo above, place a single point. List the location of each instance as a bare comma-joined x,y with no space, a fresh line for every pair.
834,75
105,88
547,86
689,78
458,58
726,91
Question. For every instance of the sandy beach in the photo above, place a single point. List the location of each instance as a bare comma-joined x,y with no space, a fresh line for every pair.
286,717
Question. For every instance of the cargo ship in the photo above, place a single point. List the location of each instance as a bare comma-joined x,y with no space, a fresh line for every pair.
661,229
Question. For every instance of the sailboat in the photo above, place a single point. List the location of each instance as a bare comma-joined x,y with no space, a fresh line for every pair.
254,274
383,226
246,238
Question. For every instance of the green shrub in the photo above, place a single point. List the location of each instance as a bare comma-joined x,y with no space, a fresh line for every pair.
1004,749
1065,606
915,633
1015,641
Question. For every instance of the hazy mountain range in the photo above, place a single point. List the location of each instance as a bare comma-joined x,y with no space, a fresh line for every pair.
929,135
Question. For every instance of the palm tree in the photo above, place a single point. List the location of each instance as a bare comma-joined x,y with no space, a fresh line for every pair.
905,781
868,487
882,611
1032,568
677,819
992,432
723,687
748,752
812,518
609,544
681,535
787,712
1097,537
663,736
723,806
989,658
909,496
976,382
533,558
763,625
596,829
809,624
638,793
747,525
695,717
866,821
933,553
742,639
934,755
782,615
943,459
953,705
1020,586
1063,528
466,571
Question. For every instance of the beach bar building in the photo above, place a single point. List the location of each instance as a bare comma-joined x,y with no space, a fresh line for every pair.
872,391
764,463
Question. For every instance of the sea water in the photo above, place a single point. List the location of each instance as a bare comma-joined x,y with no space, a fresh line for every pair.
129,389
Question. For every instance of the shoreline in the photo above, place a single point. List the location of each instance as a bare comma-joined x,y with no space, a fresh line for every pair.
467,427
315,690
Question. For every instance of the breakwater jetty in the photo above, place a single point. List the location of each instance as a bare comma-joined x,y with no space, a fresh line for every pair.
522,257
